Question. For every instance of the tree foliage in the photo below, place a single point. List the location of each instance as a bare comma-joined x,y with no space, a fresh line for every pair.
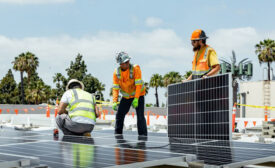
171,77
156,81
265,51
9,92
77,70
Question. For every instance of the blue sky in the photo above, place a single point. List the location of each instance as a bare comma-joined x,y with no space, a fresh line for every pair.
155,33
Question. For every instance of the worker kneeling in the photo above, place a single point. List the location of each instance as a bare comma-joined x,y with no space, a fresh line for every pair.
81,115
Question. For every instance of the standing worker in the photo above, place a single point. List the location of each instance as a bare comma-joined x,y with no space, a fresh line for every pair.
127,79
81,117
205,62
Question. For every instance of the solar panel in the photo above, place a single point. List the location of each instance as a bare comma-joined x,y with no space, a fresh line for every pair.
105,149
201,108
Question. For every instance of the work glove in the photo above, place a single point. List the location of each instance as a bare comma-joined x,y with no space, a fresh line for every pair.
135,103
115,106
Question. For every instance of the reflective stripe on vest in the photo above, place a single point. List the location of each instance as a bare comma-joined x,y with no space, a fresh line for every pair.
206,68
118,72
137,82
127,95
82,104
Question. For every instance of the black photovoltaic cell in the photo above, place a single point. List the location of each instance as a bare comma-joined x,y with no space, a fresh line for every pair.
200,108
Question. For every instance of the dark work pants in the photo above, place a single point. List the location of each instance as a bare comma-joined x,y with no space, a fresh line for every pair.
124,108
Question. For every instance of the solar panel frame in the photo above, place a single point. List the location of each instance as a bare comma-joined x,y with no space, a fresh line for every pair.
188,101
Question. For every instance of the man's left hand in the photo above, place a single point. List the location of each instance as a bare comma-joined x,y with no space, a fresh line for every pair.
135,103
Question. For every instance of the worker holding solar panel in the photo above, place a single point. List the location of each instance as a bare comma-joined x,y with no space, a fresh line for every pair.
81,115
205,62
127,79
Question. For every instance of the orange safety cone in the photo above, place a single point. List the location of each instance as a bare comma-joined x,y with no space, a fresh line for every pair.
157,117
103,115
245,123
164,116
133,114
233,117
48,112
8,110
265,112
26,110
254,123
32,109
112,112
0,111
56,108
16,111
148,117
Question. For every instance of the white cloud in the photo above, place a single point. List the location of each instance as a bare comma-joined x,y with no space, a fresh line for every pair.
35,1
153,22
157,51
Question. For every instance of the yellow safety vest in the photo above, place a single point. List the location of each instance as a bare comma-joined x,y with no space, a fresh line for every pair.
82,104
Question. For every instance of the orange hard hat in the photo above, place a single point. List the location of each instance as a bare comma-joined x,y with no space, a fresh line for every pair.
198,35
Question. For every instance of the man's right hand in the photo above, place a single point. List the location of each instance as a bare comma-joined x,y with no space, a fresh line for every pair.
115,106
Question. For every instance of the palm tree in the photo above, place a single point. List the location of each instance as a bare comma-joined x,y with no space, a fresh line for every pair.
146,85
20,64
234,66
32,64
266,53
37,92
171,77
156,81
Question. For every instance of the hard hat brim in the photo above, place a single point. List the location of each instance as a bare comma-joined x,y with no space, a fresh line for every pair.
75,81
125,60
202,38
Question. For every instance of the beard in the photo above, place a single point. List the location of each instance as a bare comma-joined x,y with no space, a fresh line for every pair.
197,48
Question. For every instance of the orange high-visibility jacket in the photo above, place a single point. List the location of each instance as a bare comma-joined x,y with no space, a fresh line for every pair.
129,83
200,65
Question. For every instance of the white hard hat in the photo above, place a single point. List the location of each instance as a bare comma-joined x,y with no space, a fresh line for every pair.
122,57
74,81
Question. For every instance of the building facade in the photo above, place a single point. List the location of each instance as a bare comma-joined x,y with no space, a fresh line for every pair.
258,93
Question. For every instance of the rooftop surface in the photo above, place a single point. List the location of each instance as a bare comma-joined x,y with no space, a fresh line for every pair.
104,149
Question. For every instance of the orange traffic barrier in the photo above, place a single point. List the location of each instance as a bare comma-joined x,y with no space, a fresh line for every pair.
48,112
265,112
56,108
8,110
233,117
254,123
157,117
133,114
26,110
272,120
16,111
148,117
245,123
164,116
